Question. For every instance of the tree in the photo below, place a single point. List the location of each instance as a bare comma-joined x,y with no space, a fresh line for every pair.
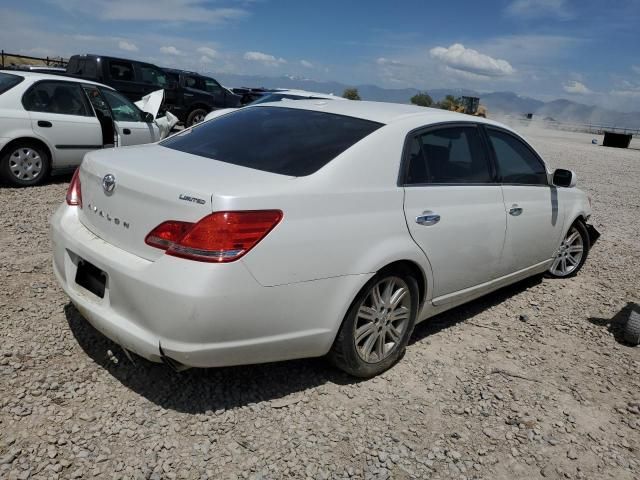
422,99
351,94
449,103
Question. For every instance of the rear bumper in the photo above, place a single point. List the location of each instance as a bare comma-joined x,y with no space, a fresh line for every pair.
199,314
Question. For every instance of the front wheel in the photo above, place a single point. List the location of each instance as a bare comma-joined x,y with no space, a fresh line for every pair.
572,253
377,327
632,329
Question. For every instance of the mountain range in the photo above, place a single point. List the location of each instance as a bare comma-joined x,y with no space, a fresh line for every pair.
498,103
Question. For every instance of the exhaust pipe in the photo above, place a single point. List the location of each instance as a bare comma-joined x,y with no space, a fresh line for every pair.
175,365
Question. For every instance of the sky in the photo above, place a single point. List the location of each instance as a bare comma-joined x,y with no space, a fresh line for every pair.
586,51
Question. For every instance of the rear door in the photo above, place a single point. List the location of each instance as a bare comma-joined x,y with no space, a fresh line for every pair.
131,129
453,207
534,217
122,77
60,113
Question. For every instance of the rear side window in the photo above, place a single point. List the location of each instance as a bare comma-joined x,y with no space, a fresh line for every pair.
516,162
64,98
153,76
285,141
448,155
121,70
8,81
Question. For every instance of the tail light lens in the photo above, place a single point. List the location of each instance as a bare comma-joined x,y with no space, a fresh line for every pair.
74,193
219,237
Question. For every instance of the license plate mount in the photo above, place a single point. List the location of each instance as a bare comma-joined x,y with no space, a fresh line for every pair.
91,278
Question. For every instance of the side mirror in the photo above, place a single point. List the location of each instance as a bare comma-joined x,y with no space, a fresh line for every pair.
564,178
147,117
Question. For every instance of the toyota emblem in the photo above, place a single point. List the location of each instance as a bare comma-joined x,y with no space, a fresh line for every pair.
108,183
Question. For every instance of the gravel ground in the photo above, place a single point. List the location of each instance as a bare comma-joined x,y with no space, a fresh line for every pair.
532,381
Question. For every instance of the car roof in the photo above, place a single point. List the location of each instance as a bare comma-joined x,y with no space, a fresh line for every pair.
303,93
35,76
383,112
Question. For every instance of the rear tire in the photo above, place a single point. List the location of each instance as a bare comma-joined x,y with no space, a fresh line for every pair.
25,164
376,329
632,329
196,116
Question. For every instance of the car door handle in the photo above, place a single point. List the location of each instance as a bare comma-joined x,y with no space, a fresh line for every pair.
188,94
44,124
126,131
427,218
515,210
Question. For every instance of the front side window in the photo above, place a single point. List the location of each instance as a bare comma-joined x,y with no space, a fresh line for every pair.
448,155
123,110
153,76
64,98
212,86
286,141
516,162
121,70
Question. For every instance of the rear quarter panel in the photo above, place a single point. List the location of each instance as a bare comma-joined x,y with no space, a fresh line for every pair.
346,219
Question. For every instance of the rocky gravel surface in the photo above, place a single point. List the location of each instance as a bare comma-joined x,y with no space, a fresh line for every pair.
533,381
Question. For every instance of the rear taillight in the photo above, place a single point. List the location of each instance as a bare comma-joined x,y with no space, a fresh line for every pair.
219,237
74,194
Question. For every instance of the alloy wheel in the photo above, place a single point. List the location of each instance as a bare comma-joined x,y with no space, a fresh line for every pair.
382,319
569,254
25,163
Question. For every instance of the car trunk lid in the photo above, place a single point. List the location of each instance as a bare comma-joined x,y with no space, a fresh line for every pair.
153,184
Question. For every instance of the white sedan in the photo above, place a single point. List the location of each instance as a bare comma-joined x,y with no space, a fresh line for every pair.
309,228
48,122
277,96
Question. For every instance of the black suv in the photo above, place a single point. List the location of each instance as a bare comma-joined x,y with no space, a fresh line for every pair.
132,78
190,96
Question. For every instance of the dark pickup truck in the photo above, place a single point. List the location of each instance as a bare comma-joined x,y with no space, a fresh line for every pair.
191,96
188,95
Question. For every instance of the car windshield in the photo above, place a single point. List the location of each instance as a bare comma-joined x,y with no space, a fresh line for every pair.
286,141
8,81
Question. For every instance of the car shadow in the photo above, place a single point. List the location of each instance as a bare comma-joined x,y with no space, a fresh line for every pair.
206,390
466,311
616,324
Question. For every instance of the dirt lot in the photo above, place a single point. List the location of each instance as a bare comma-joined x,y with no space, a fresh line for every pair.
533,381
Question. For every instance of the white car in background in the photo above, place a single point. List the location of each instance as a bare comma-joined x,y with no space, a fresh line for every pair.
48,122
300,229
278,96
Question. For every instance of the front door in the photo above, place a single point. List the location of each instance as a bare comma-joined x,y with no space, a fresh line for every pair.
454,208
131,129
534,217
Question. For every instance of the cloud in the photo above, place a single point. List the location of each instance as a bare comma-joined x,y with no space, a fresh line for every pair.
457,57
170,50
152,10
127,46
264,58
539,8
306,64
575,87
209,52
636,68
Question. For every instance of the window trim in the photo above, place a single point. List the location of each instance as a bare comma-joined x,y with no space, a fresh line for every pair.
87,102
406,149
492,153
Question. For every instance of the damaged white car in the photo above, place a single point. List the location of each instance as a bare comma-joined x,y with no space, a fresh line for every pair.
48,123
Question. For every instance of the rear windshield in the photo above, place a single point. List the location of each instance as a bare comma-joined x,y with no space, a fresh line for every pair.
286,141
8,81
